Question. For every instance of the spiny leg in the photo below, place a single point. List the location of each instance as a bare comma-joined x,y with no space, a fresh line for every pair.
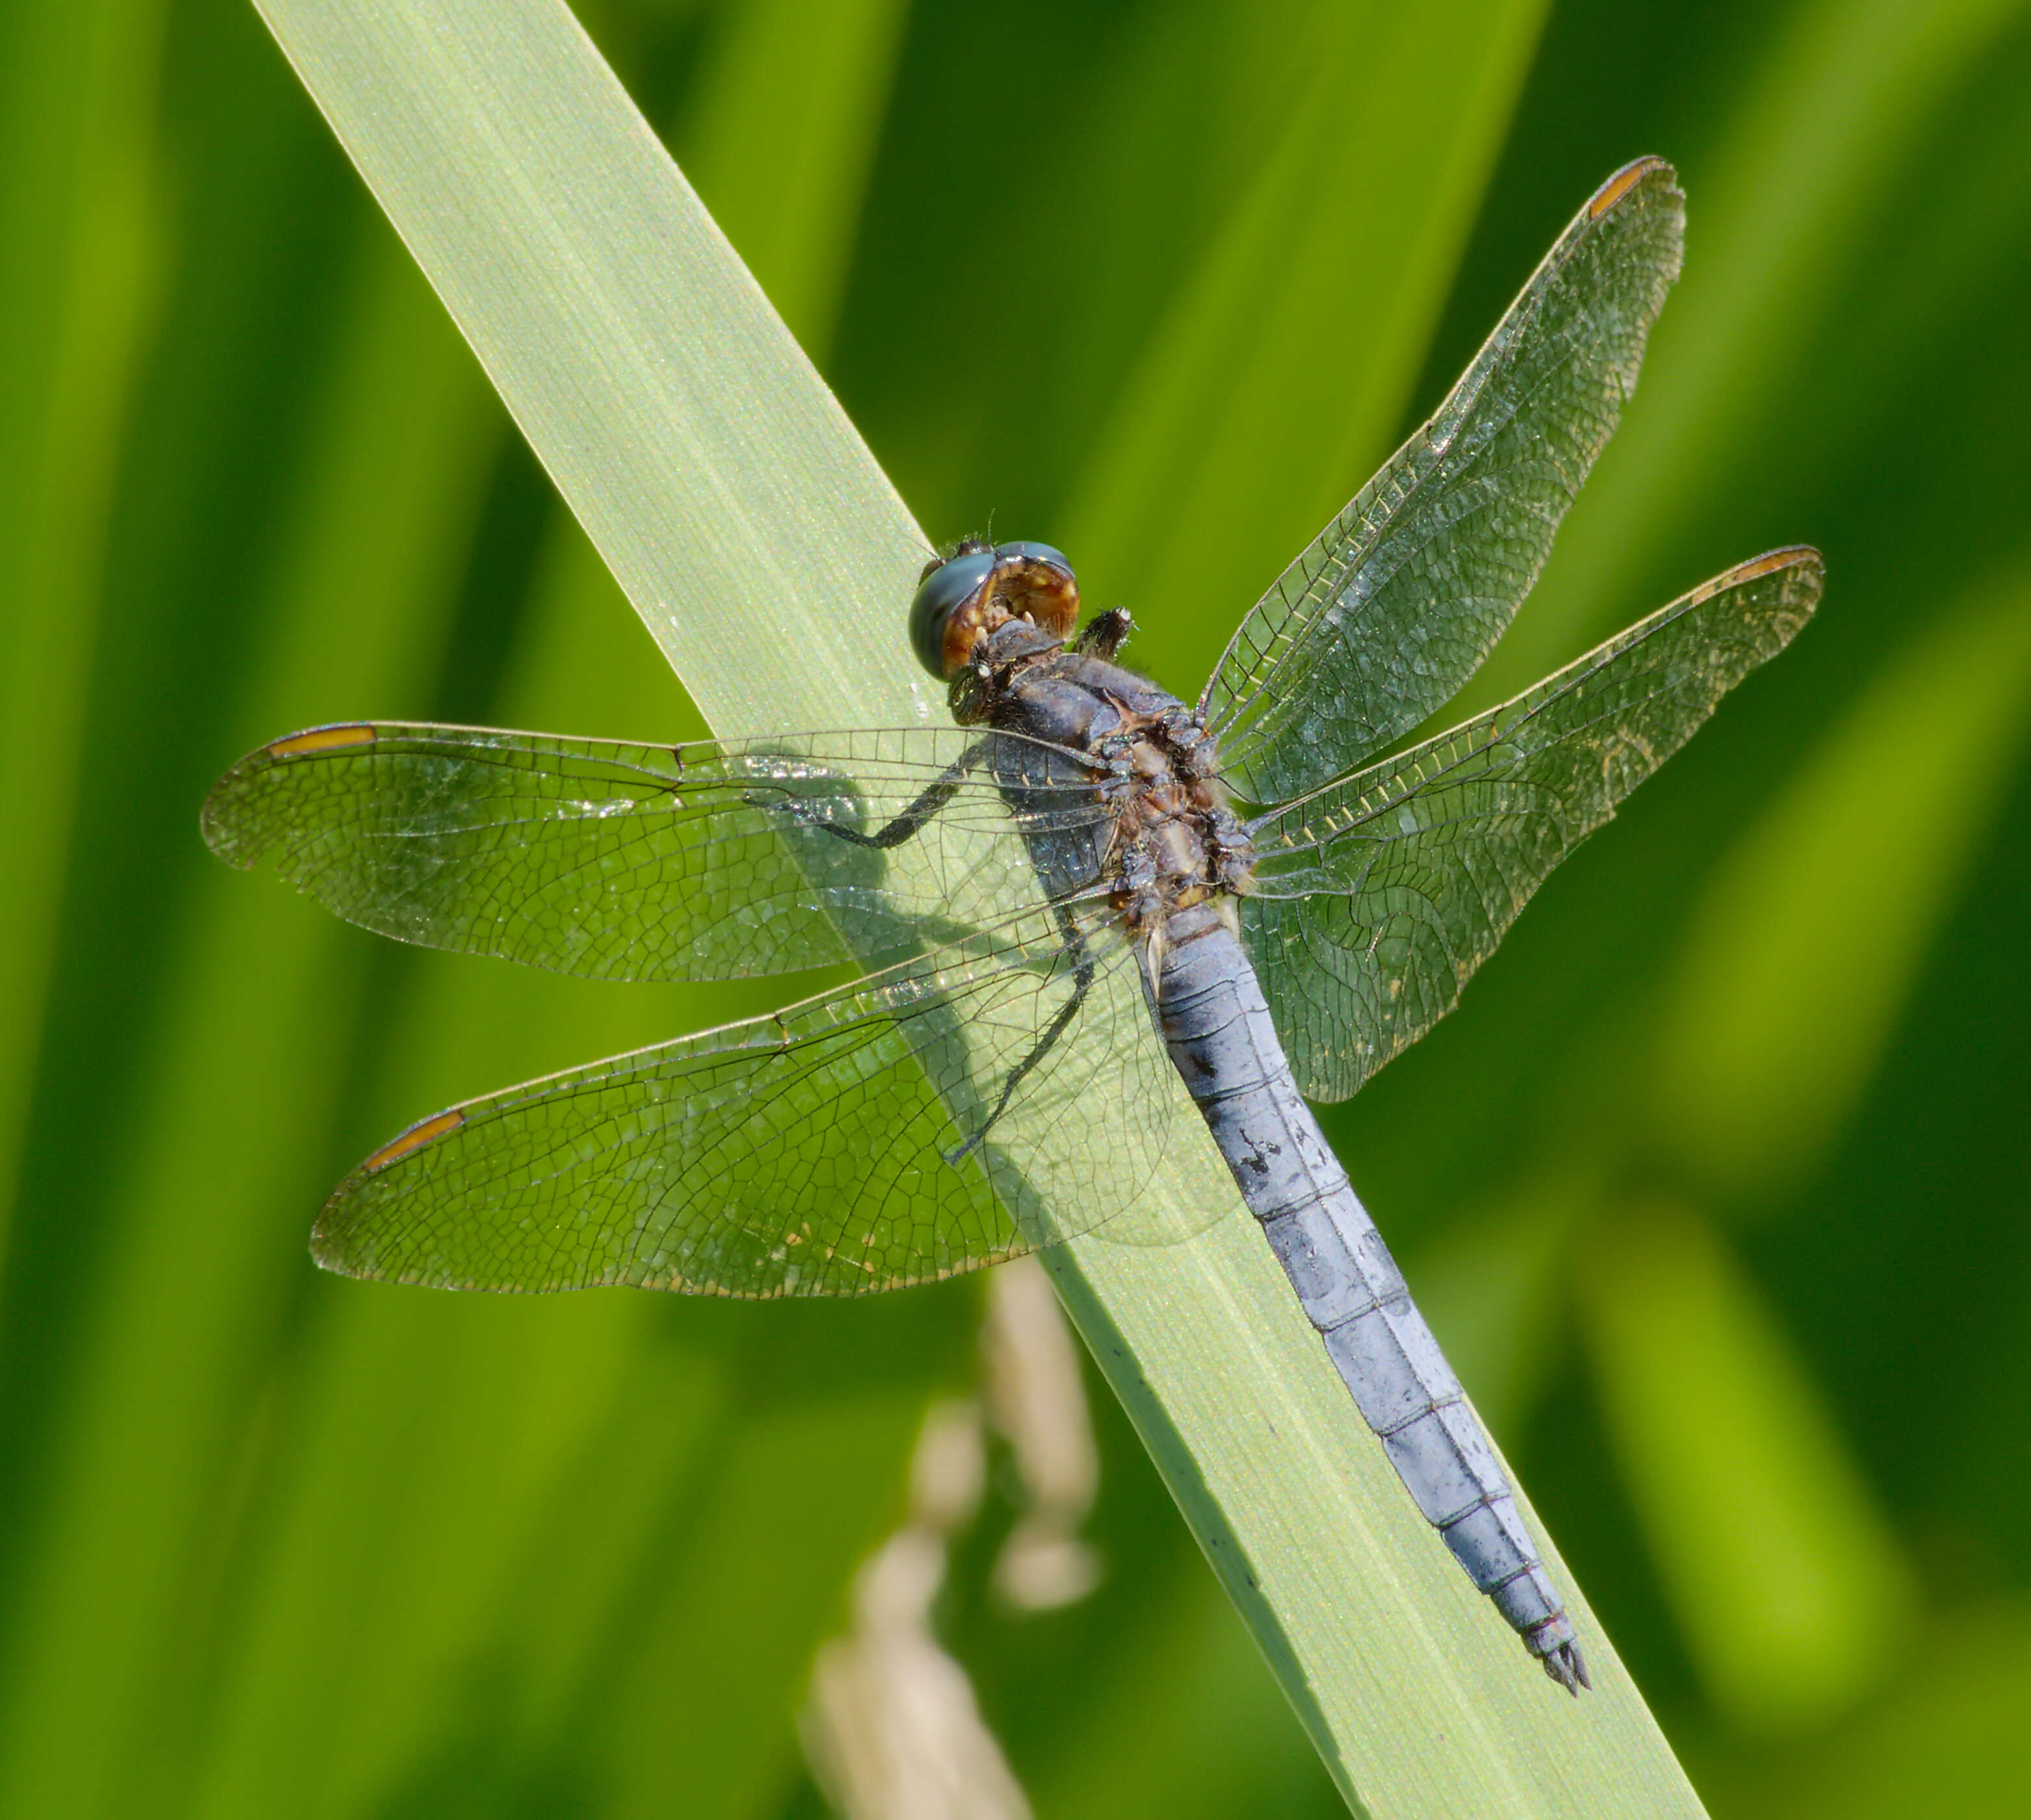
1104,635
1075,949
928,803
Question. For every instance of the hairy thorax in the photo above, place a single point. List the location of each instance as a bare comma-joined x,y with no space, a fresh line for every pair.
1176,845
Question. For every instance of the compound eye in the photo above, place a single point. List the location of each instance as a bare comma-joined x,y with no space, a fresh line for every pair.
945,590
1033,553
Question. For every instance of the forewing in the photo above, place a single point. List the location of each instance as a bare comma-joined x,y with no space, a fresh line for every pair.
1382,893
813,1152
1379,621
704,861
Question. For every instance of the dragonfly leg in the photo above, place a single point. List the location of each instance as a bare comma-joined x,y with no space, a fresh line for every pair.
1105,635
932,799
1081,957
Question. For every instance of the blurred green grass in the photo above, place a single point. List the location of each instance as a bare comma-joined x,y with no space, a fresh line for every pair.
276,1544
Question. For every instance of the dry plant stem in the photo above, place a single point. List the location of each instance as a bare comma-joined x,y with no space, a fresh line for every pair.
772,561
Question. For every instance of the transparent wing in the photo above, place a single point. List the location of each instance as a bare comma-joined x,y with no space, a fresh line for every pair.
1378,622
629,862
1383,892
823,1151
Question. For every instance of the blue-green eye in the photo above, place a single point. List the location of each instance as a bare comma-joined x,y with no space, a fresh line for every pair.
946,589
1033,553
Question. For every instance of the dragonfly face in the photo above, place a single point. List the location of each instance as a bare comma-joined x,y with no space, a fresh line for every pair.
979,588
1059,912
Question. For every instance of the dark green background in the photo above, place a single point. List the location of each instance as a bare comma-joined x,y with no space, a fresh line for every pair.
273,1543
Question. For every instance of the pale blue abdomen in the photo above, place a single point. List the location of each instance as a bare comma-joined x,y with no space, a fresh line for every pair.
1220,1038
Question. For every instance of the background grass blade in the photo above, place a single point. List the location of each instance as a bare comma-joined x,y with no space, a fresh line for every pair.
77,281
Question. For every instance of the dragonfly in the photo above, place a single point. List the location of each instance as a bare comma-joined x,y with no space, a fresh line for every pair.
1077,913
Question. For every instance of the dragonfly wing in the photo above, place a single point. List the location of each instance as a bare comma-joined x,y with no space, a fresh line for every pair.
1381,892
822,1150
1377,623
704,861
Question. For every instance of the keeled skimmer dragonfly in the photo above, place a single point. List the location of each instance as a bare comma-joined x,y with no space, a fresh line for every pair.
1081,886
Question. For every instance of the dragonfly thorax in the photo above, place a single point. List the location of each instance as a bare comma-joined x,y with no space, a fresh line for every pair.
1176,843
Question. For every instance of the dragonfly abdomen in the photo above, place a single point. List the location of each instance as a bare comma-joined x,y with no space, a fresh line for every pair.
1220,1037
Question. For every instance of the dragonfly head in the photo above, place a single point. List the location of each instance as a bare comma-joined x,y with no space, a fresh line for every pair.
979,587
